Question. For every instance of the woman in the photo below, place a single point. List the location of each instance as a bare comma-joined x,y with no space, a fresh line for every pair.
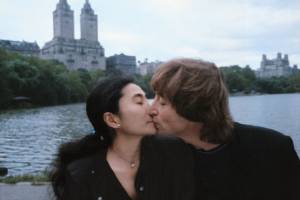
117,162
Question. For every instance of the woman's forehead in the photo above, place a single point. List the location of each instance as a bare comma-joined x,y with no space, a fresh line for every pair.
132,90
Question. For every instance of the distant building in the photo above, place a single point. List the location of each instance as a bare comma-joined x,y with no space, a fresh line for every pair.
275,67
22,47
123,63
85,52
146,68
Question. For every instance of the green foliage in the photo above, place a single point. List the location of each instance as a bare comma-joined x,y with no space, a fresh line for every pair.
34,179
49,82
5,91
78,89
294,83
44,82
243,80
144,83
239,79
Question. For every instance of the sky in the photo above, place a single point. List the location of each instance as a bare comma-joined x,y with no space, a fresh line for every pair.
226,32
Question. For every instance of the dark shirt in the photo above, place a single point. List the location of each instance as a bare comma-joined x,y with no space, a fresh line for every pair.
102,183
258,164
214,173
160,176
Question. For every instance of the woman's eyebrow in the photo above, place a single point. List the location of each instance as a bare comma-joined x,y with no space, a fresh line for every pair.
138,95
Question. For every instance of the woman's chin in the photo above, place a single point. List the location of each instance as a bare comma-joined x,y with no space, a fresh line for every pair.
152,131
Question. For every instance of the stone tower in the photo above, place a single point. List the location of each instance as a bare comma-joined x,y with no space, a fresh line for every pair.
88,23
274,67
63,21
86,52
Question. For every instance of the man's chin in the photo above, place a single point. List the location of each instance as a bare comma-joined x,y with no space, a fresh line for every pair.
160,130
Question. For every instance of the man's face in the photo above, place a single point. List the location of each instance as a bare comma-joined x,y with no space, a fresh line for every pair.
166,119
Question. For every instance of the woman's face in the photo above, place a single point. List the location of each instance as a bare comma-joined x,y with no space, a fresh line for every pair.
134,113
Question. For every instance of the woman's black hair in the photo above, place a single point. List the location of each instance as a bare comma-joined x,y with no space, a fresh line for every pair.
103,98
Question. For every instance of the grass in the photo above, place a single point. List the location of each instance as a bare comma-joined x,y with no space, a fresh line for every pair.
35,179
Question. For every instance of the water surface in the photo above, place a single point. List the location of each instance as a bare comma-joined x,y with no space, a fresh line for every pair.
29,138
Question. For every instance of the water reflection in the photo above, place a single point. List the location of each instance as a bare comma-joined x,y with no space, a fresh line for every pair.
29,138
280,112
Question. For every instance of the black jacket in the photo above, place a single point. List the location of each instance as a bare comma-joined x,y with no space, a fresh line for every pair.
261,164
165,173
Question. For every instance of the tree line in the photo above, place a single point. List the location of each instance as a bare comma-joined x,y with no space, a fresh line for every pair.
49,82
243,80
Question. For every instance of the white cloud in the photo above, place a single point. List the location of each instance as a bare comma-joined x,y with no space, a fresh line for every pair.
169,6
121,41
225,32
187,52
122,37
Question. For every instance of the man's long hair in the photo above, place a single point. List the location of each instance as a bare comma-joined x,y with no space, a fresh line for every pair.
197,92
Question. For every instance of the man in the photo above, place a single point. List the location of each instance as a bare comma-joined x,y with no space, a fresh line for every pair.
232,160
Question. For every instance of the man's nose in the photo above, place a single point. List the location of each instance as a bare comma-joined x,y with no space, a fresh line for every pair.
153,112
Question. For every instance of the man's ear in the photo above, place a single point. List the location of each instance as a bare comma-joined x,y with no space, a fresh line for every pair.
111,120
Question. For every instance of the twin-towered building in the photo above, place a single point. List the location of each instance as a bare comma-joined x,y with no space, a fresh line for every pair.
85,52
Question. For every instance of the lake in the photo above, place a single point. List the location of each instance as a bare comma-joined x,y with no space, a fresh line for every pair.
29,138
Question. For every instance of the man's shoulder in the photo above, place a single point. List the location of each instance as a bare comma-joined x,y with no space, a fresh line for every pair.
257,138
257,133
269,152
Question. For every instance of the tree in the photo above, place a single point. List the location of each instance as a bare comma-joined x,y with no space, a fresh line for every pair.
85,76
78,89
95,75
144,83
239,79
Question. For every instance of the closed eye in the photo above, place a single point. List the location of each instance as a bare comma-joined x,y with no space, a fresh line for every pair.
140,102
163,103
139,99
